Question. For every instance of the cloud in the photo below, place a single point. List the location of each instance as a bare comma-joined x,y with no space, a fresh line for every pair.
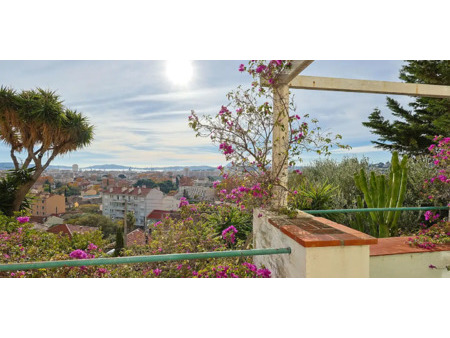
140,117
357,150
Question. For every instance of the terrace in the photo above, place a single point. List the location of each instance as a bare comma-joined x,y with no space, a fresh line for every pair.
306,246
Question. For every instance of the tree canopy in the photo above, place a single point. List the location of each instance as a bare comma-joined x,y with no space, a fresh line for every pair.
36,125
413,130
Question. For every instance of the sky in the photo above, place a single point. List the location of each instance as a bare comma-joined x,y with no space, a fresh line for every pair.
140,114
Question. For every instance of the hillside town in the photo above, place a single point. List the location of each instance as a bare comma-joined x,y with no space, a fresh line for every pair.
60,195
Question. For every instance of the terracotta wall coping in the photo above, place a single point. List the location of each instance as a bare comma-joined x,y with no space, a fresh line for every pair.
319,232
400,245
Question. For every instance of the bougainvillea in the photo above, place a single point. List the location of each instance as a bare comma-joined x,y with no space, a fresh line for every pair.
199,229
229,234
243,129
436,228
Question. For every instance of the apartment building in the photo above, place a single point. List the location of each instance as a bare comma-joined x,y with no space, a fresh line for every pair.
47,204
140,201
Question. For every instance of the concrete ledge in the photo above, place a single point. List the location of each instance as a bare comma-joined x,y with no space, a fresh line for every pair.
320,248
319,232
400,245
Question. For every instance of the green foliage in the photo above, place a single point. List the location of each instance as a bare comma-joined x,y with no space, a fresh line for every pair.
89,208
413,131
339,175
9,186
120,243
222,217
71,191
131,220
106,225
36,125
380,192
145,181
312,195
165,186
19,242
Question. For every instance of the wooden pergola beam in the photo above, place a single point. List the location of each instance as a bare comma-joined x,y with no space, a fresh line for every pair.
369,86
297,67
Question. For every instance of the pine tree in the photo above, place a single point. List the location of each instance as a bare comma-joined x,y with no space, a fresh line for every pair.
414,130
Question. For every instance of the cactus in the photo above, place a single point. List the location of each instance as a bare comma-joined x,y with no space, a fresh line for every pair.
380,192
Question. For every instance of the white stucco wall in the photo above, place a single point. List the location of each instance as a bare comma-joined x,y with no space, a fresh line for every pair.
265,235
410,265
332,261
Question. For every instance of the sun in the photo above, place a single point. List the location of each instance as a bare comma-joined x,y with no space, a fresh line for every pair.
180,72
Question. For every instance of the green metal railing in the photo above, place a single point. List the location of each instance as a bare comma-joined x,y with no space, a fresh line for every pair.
340,211
142,259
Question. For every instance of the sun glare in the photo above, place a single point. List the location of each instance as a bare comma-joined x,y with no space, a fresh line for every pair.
180,71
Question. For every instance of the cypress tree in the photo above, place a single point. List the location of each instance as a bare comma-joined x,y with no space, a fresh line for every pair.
119,240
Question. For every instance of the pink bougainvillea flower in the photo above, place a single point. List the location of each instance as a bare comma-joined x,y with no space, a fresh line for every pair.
229,234
24,219
431,266
183,202
226,148
92,246
157,272
241,67
78,254
102,271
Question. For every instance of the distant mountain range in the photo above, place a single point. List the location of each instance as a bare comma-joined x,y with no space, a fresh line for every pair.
121,167
10,165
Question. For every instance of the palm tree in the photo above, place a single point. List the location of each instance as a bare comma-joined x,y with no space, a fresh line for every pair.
36,124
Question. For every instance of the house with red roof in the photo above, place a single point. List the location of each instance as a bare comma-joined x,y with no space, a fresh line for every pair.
70,229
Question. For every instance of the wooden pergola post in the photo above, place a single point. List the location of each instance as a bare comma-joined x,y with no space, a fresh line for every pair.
280,144
280,138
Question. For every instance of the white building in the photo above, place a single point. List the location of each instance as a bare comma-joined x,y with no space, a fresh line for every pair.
140,201
197,193
75,168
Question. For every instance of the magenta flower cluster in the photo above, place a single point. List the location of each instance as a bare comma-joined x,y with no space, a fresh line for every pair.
242,193
23,219
226,148
229,234
430,215
264,273
78,254
183,202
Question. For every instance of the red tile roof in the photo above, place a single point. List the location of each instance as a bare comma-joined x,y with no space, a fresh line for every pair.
69,229
161,214
186,181
136,237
